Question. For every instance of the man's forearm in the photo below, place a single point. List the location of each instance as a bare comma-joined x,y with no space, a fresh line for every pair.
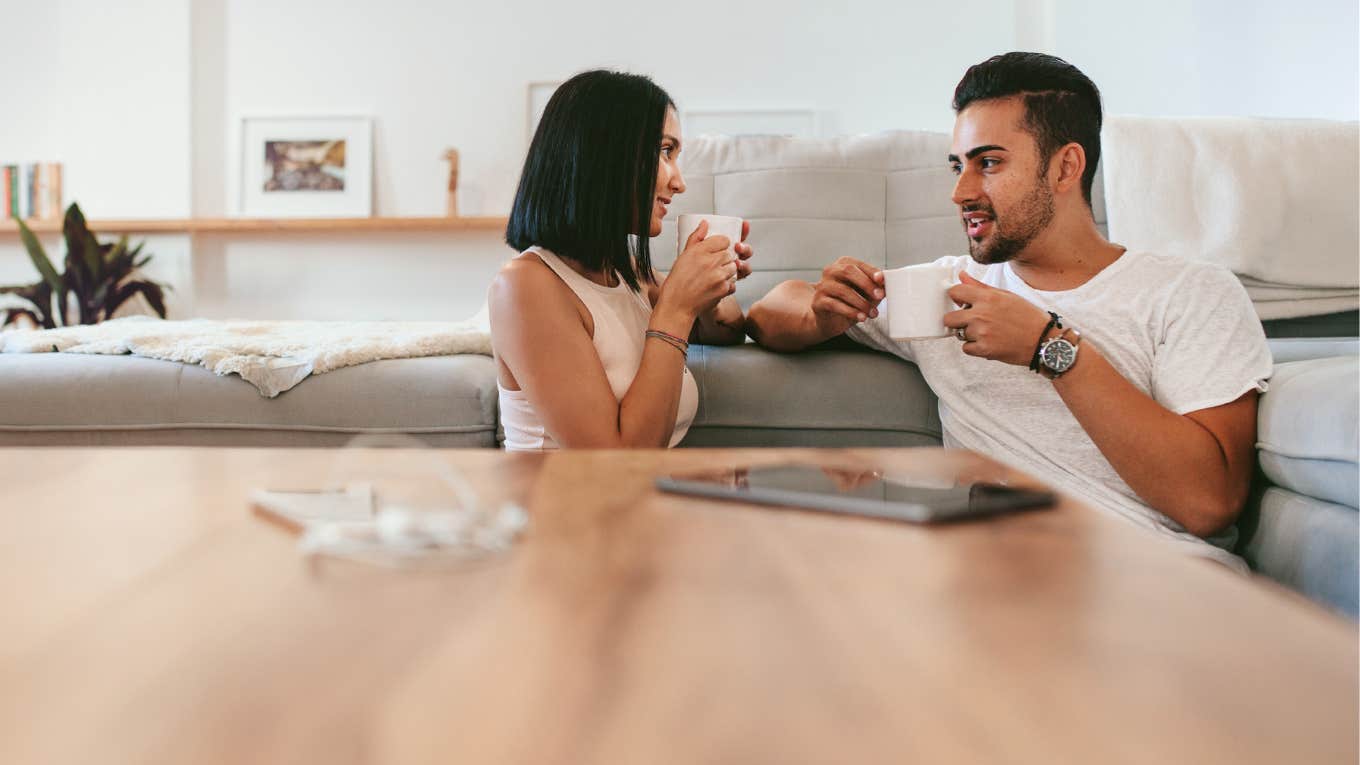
724,325
783,319
1171,461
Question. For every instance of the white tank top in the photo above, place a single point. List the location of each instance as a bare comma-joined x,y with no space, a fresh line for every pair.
621,317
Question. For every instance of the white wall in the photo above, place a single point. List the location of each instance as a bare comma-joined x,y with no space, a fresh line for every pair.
1216,57
174,78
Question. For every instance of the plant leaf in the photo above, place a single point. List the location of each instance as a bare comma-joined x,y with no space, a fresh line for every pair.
39,258
150,290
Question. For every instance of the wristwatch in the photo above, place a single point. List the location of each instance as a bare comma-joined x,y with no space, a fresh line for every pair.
1057,355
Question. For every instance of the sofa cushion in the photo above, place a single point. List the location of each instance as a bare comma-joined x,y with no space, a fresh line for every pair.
1308,545
1285,349
74,399
1307,428
749,396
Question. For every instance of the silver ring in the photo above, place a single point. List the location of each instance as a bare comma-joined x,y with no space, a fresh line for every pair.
959,333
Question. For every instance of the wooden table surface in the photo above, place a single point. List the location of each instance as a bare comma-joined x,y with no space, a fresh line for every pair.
150,617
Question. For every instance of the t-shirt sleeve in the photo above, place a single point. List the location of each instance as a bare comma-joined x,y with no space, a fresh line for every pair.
1213,348
873,333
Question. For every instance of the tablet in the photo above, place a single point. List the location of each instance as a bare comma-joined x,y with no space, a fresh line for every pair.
854,492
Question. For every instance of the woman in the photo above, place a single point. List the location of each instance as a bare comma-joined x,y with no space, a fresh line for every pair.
590,341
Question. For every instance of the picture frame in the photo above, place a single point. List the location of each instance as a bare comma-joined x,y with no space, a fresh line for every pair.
791,123
307,167
539,92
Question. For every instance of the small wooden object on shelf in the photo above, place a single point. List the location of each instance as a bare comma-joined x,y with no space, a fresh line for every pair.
452,208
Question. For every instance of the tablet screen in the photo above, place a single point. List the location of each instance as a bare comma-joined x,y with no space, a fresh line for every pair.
861,492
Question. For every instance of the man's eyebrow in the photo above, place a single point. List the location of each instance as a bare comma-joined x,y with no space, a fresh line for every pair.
668,137
977,150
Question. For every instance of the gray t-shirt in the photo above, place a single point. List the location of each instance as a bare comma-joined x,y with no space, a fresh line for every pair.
1182,332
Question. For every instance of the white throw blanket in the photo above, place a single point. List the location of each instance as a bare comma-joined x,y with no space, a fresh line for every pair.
271,355
1275,201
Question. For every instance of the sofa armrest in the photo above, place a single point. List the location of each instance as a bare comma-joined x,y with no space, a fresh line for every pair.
1307,428
1286,349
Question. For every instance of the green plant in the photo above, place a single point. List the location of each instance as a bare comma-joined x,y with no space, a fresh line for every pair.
97,279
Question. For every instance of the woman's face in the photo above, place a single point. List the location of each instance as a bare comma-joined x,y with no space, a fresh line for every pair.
668,180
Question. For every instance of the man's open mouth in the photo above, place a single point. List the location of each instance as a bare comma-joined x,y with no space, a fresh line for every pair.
978,225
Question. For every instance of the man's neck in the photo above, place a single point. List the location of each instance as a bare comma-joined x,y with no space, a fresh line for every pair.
1065,257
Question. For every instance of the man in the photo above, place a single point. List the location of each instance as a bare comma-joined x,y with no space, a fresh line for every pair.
1128,380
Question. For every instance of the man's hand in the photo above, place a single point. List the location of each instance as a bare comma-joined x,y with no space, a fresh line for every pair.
849,292
996,324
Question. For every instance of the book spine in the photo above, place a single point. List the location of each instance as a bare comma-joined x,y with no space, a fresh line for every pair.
4,191
40,190
25,210
58,210
13,191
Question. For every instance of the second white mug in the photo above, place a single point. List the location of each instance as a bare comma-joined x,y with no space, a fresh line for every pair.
917,301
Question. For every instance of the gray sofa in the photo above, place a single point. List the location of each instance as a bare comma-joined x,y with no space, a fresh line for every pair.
883,199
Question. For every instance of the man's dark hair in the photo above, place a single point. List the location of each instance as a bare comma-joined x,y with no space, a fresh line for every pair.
1062,105
589,180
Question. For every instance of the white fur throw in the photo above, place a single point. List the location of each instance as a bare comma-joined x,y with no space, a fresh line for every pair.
1273,200
271,355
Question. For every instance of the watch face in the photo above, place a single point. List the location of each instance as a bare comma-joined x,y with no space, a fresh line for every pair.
1058,355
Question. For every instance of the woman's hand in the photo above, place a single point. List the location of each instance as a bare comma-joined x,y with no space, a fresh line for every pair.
743,251
702,275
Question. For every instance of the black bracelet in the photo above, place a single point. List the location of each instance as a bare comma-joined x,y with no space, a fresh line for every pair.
1054,321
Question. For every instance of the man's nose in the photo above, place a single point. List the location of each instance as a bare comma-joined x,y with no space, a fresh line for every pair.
677,183
965,188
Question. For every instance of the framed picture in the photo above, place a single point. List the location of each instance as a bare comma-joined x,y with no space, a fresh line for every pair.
311,167
539,93
793,123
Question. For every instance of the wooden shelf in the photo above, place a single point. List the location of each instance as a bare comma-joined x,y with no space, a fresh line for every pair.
264,225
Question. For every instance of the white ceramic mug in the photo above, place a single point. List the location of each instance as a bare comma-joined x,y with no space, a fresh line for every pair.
717,224
917,301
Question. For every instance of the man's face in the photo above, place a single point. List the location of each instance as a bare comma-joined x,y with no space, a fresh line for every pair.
1002,192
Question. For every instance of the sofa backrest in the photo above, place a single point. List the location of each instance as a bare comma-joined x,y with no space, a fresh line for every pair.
883,198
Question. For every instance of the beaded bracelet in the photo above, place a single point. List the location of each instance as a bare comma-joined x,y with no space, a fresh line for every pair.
1055,321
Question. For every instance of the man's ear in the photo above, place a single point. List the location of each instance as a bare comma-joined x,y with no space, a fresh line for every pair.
1069,163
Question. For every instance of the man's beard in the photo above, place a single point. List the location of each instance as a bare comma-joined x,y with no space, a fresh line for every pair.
1026,222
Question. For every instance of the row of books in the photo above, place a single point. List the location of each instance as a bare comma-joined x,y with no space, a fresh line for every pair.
31,191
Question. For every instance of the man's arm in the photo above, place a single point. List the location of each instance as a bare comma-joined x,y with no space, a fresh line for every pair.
796,314
1194,468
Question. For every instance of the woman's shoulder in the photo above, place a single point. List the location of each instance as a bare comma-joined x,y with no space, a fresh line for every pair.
526,286
525,272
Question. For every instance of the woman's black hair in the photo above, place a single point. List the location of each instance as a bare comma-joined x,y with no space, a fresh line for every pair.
589,180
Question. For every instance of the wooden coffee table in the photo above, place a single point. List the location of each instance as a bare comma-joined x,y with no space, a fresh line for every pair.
150,617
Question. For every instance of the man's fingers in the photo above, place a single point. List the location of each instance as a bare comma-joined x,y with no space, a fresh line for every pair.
745,230
826,304
860,276
956,319
859,305
743,269
742,249
967,293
